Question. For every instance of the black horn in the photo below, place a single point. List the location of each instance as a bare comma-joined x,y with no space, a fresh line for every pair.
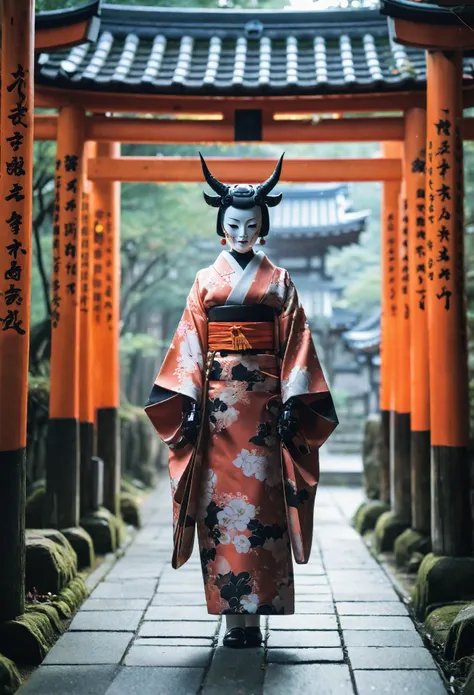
271,182
218,187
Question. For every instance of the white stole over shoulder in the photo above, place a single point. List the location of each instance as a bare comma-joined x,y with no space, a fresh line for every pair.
245,277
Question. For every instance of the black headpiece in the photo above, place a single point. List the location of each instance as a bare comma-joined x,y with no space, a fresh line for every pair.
242,195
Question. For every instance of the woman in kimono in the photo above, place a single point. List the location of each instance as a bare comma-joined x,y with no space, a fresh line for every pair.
243,405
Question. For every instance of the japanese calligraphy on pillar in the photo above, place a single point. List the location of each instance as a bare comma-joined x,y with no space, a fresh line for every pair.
392,263
70,219
108,315
418,166
404,271
55,282
12,207
442,201
98,268
85,255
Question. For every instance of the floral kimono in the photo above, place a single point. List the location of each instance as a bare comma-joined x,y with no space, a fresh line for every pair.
250,496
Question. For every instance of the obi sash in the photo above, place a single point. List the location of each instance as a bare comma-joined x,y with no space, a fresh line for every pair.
238,337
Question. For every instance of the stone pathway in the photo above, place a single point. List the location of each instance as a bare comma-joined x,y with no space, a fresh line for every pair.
145,630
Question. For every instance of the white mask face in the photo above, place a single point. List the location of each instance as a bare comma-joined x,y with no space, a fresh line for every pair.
242,227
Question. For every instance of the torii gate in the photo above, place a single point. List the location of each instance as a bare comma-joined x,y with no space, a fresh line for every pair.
423,319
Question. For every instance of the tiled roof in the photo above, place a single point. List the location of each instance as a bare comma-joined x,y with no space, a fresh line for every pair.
365,336
238,52
316,211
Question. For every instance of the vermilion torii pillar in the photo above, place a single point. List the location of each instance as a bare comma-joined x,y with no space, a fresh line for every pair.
389,262
415,155
62,482
451,528
16,163
400,483
86,355
106,311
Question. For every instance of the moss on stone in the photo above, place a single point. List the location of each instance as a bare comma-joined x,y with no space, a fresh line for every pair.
82,544
10,679
50,561
372,455
130,509
35,508
468,688
460,642
367,515
70,598
408,543
442,580
50,611
439,621
106,530
28,638
387,529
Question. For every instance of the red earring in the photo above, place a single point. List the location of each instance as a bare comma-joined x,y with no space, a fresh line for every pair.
262,241
223,242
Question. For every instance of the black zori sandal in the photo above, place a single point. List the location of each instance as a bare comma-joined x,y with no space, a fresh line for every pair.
253,636
235,638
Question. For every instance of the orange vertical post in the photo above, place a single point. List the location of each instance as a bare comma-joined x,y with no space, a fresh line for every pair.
86,386
415,164
389,264
106,310
401,476
16,167
451,528
62,481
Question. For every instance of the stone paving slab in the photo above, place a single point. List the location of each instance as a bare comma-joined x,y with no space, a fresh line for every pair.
326,679
184,657
115,604
89,648
302,622
187,613
156,681
390,658
395,682
70,680
384,608
140,588
173,642
382,638
375,622
303,638
306,655
242,673
115,621
179,629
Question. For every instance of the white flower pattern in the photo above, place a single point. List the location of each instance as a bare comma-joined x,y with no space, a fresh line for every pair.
241,543
236,514
298,383
250,603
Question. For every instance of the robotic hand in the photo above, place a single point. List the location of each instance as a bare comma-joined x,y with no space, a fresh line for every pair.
191,422
288,421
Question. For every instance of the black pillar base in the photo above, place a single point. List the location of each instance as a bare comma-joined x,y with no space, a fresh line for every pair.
451,531
443,580
410,548
401,474
108,449
387,530
420,453
385,458
87,448
12,533
62,473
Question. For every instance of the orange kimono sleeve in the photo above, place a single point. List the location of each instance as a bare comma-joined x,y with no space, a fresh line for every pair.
302,378
181,376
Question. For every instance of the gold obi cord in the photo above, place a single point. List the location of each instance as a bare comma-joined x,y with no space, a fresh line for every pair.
237,337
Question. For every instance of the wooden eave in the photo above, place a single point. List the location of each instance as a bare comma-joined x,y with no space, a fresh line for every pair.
66,28
430,26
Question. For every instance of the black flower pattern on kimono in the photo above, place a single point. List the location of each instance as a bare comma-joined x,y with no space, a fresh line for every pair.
237,586
207,555
261,533
251,377
212,523
216,371
293,496
265,436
